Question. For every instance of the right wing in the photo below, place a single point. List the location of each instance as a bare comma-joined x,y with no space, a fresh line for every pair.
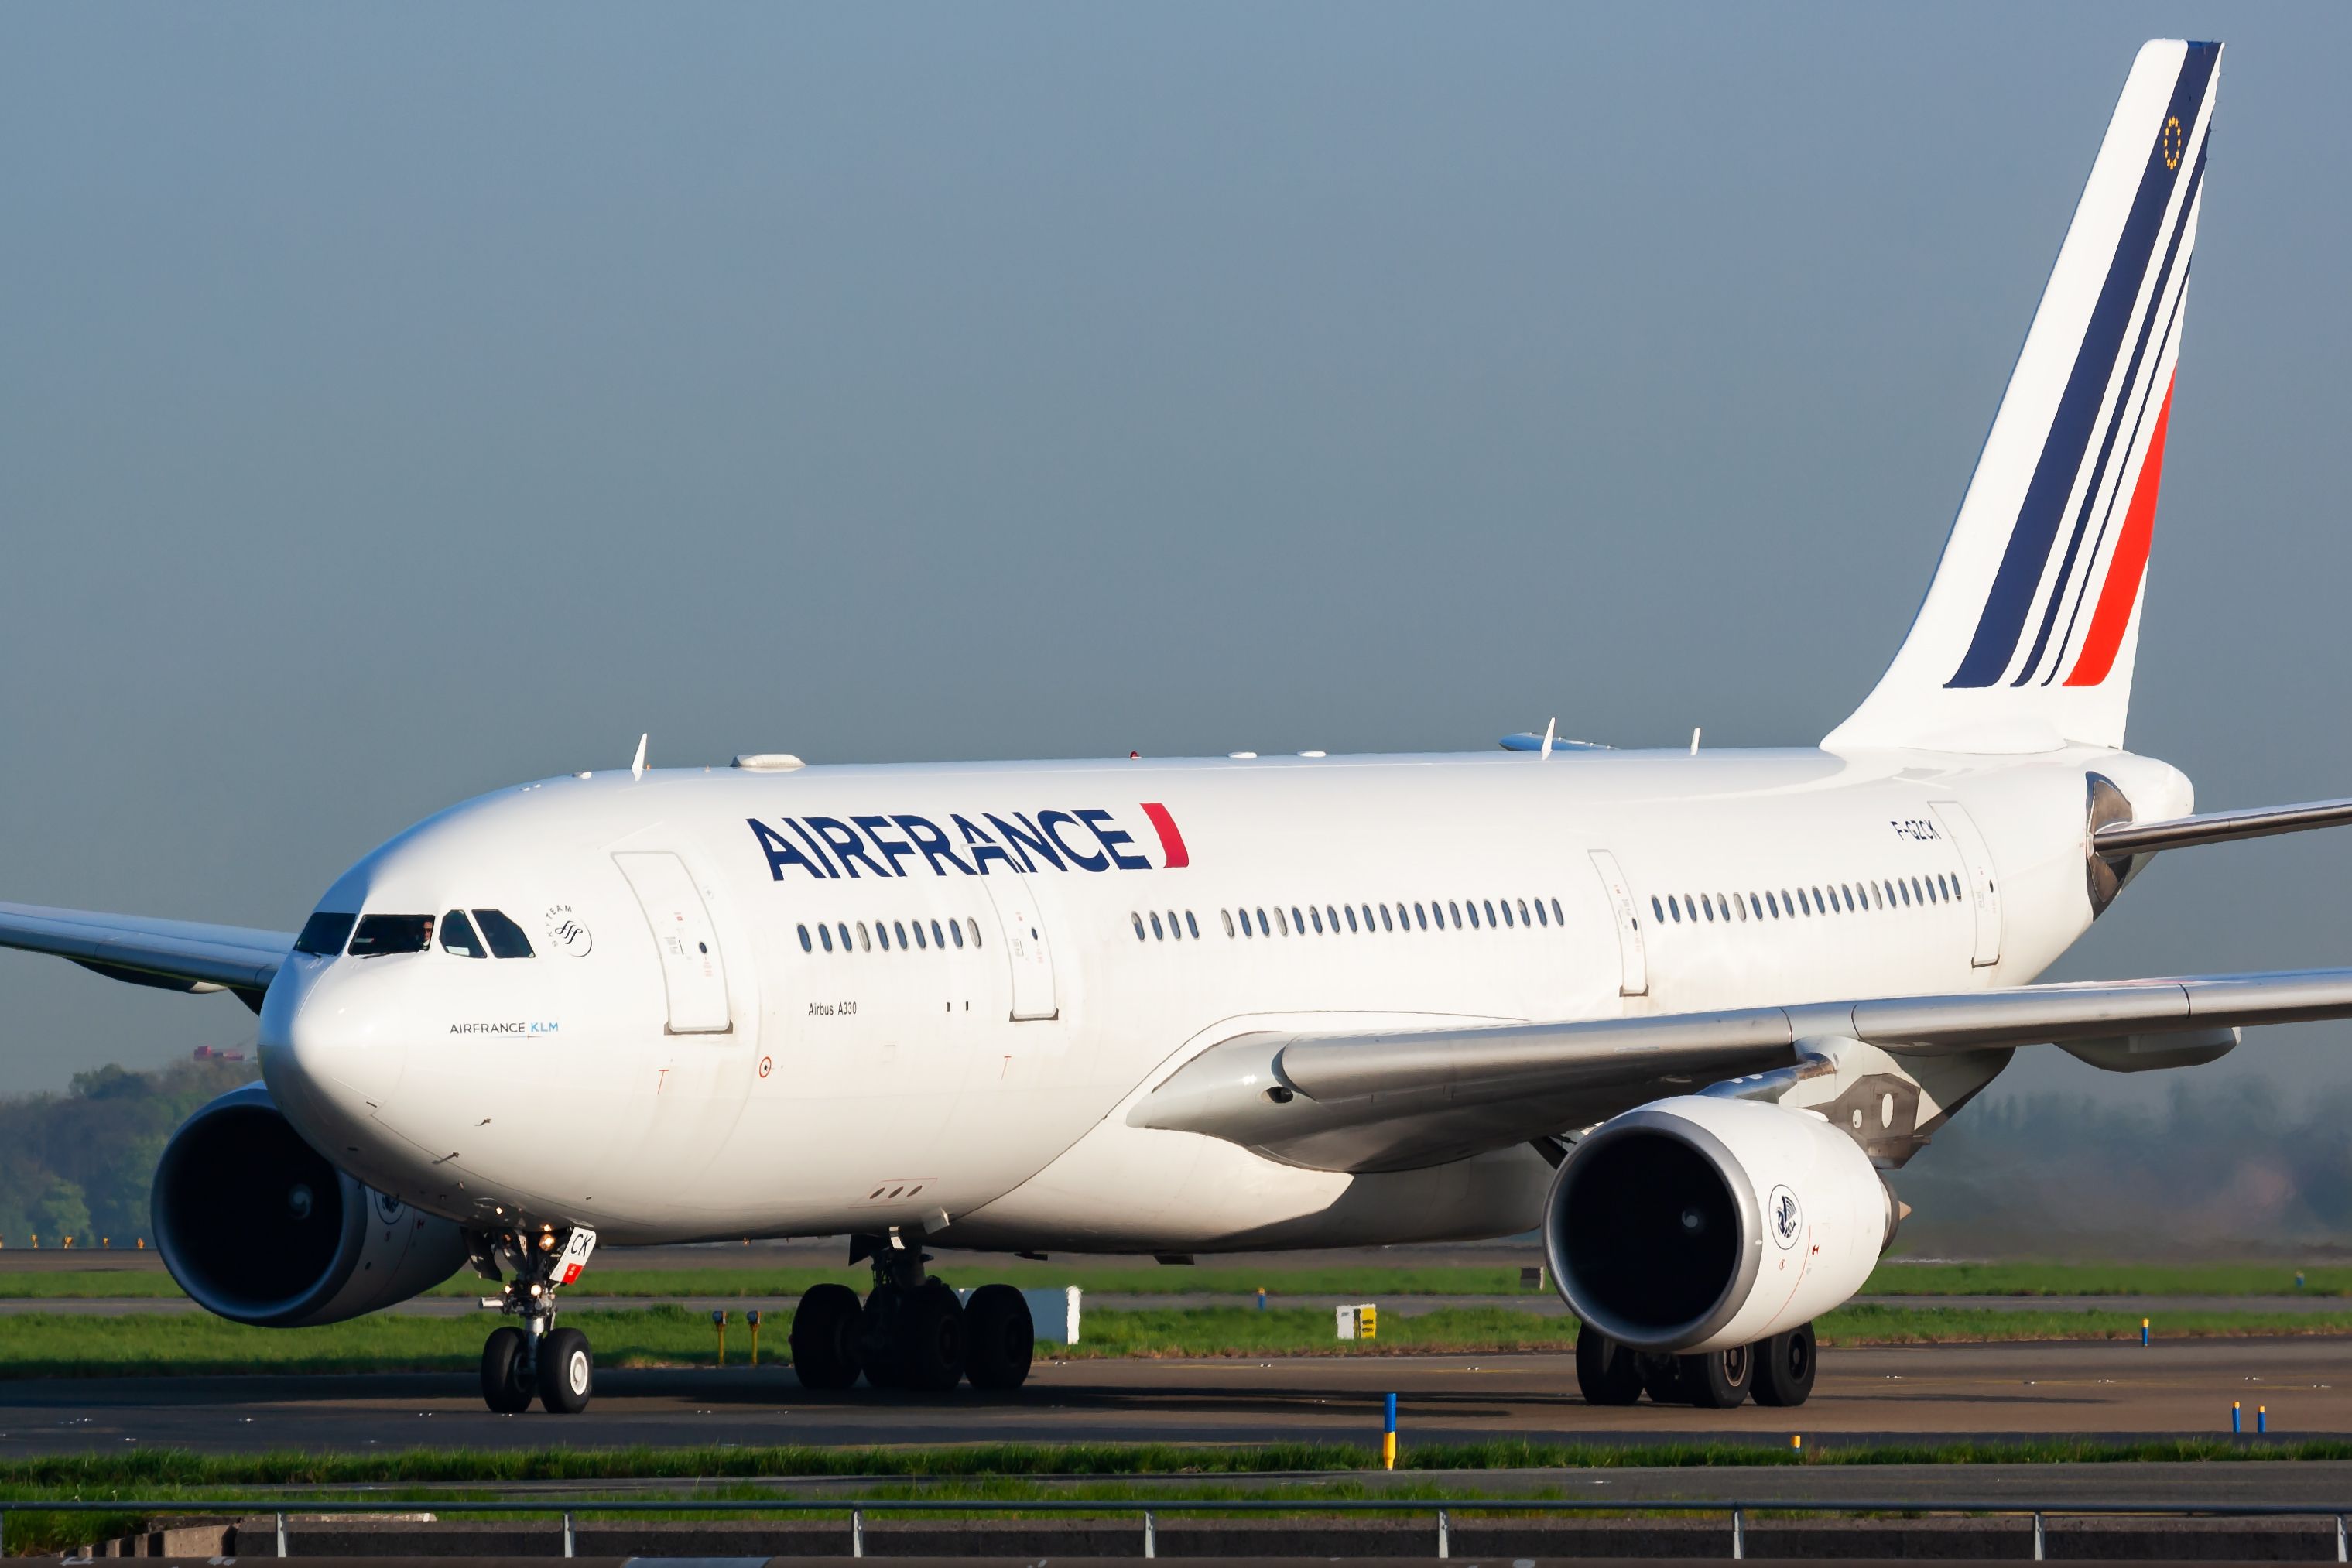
177,955
1398,1101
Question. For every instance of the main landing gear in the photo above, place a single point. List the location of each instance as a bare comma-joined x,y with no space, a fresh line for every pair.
536,1359
912,1331
1777,1371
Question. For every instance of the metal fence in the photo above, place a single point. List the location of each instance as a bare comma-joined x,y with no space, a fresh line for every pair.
860,1510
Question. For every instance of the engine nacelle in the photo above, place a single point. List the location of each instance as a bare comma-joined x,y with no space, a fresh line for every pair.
1697,1223
257,1226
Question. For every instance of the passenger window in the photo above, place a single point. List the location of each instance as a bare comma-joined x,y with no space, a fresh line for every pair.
882,935
824,935
1473,914
1385,925
1656,914
938,938
1157,934
1263,929
1539,911
807,944
1192,925
1138,924
379,935
844,929
1490,910
918,934
1523,911
865,940
898,927
1848,893
1228,915
1317,917
973,927
1420,915
457,936
1921,891
323,934
1741,904
1351,919
1675,911
1457,910
956,931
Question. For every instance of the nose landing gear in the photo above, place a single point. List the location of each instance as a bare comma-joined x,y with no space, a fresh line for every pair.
536,1358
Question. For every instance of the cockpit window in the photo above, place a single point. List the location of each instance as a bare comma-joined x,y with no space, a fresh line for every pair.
505,937
381,934
457,936
323,934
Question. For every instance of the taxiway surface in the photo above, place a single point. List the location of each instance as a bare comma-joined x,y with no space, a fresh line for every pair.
2076,1389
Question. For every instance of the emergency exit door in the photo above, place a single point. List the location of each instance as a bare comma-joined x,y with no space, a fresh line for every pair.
692,968
1976,863
1633,957
1028,948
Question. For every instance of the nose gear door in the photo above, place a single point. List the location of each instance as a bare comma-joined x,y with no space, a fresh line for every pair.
692,967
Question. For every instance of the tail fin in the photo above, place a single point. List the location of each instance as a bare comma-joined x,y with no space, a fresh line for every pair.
2026,638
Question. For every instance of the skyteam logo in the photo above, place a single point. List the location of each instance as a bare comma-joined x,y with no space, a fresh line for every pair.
2069,578
898,845
1785,1216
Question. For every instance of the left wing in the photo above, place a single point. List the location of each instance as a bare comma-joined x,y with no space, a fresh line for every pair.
177,955
1403,1099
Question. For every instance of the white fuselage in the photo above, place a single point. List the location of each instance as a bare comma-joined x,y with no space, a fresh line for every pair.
749,1082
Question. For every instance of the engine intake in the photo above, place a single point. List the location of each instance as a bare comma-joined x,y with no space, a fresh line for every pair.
258,1227
1698,1223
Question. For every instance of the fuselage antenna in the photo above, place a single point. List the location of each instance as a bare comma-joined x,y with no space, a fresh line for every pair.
637,767
1693,741
1551,728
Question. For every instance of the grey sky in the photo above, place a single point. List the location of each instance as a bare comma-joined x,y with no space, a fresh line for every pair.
396,404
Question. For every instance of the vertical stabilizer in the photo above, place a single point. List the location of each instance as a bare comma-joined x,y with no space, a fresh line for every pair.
2026,638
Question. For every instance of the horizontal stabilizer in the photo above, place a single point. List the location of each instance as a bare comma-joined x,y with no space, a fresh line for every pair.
2120,838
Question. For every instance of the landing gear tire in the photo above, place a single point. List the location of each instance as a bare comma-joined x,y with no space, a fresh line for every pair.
999,1339
505,1355
824,1337
1662,1378
1718,1380
567,1373
1606,1370
929,1338
1785,1366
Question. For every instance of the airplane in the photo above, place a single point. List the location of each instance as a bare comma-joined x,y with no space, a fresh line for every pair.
1679,1011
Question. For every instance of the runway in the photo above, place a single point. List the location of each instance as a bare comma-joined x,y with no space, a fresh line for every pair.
2076,1389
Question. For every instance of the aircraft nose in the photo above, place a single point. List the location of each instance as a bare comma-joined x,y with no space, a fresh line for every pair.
318,1034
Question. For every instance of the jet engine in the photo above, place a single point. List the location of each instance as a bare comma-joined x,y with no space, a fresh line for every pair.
1696,1224
257,1226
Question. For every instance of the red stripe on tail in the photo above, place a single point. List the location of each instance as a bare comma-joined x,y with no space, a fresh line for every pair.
2120,592
1170,841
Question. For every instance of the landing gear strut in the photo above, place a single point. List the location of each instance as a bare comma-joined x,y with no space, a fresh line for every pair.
536,1358
913,1331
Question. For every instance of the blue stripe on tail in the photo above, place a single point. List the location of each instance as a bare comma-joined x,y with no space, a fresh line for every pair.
2002,624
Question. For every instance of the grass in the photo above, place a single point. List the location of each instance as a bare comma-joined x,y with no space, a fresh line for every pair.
1895,1278
70,1344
